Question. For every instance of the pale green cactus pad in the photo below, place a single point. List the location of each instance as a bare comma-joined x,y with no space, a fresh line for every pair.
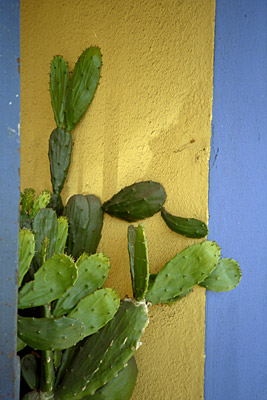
185,270
26,252
50,282
226,276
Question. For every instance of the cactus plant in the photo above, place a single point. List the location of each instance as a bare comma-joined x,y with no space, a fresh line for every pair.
138,201
78,336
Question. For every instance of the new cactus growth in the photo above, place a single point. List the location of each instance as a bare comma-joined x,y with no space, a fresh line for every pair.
138,201
85,218
189,227
139,264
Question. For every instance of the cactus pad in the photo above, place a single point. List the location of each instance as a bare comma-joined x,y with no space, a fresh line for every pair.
104,354
185,270
139,264
82,87
29,370
45,226
50,333
59,79
62,235
50,282
26,252
226,276
119,388
60,146
138,201
85,218
96,309
189,227
92,273
41,202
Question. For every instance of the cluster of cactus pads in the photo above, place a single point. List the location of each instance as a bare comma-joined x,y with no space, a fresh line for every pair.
77,338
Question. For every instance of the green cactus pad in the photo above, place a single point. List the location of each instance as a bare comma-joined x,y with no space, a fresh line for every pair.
92,273
59,79
138,201
50,333
29,370
185,270
174,300
26,252
96,309
83,84
139,264
62,234
119,388
60,146
226,276
50,282
85,218
41,202
189,227
104,354
45,226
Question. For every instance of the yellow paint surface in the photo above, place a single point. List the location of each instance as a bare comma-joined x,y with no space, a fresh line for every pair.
150,119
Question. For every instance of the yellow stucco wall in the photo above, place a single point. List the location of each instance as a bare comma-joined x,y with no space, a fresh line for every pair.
150,119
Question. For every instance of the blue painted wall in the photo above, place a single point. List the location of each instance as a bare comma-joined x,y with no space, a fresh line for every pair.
236,324
9,194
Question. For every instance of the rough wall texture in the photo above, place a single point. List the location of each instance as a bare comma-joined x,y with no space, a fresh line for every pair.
150,119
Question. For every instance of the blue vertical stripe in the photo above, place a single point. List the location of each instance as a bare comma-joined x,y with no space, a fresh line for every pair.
236,322
9,195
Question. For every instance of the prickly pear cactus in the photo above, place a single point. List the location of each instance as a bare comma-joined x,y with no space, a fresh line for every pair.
138,201
226,276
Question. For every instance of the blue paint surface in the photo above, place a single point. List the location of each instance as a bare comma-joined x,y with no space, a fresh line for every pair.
9,195
236,322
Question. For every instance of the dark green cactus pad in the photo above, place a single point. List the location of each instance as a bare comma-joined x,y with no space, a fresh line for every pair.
226,276
92,273
60,146
45,226
189,227
138,201
62,235
50,333
104,354
29,371
59,79
26,252
41,202
56,203
119,388
82,87
139,263
50,282
185,270
96,309
85,218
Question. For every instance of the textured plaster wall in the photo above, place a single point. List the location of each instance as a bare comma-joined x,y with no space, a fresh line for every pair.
150,119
